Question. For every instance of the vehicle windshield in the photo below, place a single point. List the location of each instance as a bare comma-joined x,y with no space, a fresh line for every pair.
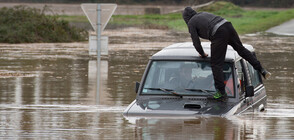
184,78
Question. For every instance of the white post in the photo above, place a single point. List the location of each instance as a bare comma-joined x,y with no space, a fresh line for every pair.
98,31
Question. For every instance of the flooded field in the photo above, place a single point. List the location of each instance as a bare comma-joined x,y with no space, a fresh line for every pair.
48,91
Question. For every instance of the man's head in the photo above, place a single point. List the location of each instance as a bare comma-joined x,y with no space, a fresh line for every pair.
186,71
188,14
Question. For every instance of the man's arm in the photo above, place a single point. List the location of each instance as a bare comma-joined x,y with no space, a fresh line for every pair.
196,42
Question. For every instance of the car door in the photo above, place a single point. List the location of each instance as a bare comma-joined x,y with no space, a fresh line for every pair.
255,80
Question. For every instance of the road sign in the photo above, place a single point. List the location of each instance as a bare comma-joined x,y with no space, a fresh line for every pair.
90,10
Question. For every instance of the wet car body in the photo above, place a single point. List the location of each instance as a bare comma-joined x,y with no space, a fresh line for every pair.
156,97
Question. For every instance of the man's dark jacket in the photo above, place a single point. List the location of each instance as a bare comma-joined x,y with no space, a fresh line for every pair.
200,25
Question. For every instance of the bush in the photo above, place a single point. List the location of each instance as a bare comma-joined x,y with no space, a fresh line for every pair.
223,8
28,25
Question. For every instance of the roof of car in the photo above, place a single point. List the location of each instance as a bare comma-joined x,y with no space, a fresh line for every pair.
186,51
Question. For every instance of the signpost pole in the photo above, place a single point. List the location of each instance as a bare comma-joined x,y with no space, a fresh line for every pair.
98,20
98,31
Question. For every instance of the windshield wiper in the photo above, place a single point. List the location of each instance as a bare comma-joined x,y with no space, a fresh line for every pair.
202,90
170,91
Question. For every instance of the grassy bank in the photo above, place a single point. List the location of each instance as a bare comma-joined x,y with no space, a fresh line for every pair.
257,21
245,21
27,25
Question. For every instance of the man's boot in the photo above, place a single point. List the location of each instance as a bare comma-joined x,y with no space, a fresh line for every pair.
221,97
265,73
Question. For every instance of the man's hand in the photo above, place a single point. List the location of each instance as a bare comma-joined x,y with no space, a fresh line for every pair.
204,56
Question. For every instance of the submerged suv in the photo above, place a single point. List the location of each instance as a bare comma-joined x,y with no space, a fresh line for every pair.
178,82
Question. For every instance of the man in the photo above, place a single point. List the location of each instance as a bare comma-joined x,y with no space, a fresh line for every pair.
221,33
183,79
185,76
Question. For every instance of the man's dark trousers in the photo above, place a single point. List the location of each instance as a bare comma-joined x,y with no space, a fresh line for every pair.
226,34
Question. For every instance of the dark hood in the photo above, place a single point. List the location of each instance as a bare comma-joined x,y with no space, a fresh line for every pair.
188,14
179,107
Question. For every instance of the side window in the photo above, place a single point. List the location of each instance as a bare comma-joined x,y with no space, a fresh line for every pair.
254,76
240,77
229,80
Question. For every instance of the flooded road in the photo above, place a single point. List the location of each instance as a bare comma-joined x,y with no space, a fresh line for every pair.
48,91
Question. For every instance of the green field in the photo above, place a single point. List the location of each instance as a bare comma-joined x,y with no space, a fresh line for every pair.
245,21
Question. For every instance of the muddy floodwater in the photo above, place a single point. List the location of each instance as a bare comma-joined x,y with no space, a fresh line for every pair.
48,91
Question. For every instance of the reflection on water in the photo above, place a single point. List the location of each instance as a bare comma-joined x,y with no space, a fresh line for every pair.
198,128
55,98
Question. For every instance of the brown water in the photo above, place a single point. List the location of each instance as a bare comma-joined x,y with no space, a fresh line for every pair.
50,93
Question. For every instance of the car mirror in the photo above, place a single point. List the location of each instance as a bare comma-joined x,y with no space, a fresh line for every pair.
137,87
249,91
